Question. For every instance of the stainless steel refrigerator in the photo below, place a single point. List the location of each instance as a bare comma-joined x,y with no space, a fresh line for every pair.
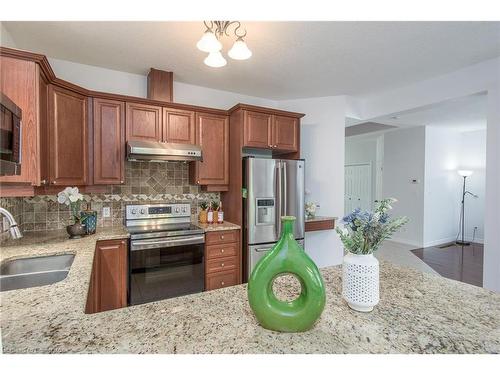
274,188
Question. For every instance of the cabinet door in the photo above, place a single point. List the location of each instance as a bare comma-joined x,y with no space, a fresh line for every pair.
110,275
285,133
67,137
109,141
178,126
18,81
257,129
212,134
143,122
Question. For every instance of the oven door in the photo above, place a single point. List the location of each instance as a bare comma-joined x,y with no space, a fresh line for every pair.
166,267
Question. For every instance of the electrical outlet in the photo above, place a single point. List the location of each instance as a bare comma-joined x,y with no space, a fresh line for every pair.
106,211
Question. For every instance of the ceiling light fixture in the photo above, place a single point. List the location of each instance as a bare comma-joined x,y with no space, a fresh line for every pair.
210,42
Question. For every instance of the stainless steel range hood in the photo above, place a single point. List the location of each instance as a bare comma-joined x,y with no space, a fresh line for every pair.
162,151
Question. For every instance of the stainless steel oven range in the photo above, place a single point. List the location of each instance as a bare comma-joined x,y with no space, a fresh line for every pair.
166,252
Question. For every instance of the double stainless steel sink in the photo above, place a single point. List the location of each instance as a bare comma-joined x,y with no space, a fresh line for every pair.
37,271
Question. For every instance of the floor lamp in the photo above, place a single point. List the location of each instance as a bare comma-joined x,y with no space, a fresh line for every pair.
464,174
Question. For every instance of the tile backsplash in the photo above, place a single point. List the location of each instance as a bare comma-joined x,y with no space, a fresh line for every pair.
145,182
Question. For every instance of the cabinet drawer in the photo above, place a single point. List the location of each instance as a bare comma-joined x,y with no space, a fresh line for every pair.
222,250
218,237
222,264
221,279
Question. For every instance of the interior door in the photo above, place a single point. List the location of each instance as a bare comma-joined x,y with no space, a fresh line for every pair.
358,187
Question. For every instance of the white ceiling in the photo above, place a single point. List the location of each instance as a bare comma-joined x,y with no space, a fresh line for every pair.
290,59
467,113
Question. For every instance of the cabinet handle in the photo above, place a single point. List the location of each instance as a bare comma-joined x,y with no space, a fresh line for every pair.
222,237
43,182
222,283
121,182
54,182
198,182
221,250
222,264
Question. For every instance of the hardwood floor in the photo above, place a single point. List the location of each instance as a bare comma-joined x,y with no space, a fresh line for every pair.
463,263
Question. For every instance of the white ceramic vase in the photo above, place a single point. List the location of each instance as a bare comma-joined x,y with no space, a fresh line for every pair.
360,281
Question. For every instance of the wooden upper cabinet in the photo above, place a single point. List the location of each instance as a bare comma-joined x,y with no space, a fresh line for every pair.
212,134
19,80
108,283
68,122
109,141
285,133
257,129
178,126
143,122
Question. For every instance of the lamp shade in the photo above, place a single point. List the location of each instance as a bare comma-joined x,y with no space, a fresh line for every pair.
209,42
239,50
464,172
215,60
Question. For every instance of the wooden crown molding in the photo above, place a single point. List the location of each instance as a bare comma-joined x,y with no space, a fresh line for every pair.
256,108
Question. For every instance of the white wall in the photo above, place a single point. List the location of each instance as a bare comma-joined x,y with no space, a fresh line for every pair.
117,82
5,37
404,160
473,157
322,146
442,185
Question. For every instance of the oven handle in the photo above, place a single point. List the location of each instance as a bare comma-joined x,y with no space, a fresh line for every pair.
170,242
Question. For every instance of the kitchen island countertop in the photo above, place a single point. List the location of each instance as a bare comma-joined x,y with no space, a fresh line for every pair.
418,313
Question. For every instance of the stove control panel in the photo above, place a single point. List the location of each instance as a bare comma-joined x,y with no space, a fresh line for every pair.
153,211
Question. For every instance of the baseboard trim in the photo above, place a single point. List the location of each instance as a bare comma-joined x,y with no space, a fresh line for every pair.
441,241
404,241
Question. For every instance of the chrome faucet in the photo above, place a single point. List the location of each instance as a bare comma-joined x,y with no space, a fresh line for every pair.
14,230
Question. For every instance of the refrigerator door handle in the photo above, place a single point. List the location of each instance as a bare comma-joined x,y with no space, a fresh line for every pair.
285,188
277,216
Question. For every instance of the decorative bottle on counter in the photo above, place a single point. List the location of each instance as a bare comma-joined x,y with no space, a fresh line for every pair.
220,214
210,215
286,257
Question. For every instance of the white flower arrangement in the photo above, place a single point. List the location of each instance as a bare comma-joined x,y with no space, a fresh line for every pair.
73,198
310,208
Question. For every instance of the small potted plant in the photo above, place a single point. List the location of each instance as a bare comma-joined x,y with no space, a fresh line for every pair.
73,198
202,215
363,233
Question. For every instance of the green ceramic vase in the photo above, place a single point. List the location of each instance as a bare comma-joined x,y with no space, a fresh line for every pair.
286,257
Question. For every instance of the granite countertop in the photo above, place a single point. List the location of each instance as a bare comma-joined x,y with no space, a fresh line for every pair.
321,218
226,225
418,313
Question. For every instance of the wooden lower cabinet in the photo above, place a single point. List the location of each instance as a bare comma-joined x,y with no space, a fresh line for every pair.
222,259
108,282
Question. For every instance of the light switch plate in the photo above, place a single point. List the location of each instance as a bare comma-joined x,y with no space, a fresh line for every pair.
106,212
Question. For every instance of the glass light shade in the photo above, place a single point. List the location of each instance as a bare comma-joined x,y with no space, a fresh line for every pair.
215,60
464,172
239,50
209,42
